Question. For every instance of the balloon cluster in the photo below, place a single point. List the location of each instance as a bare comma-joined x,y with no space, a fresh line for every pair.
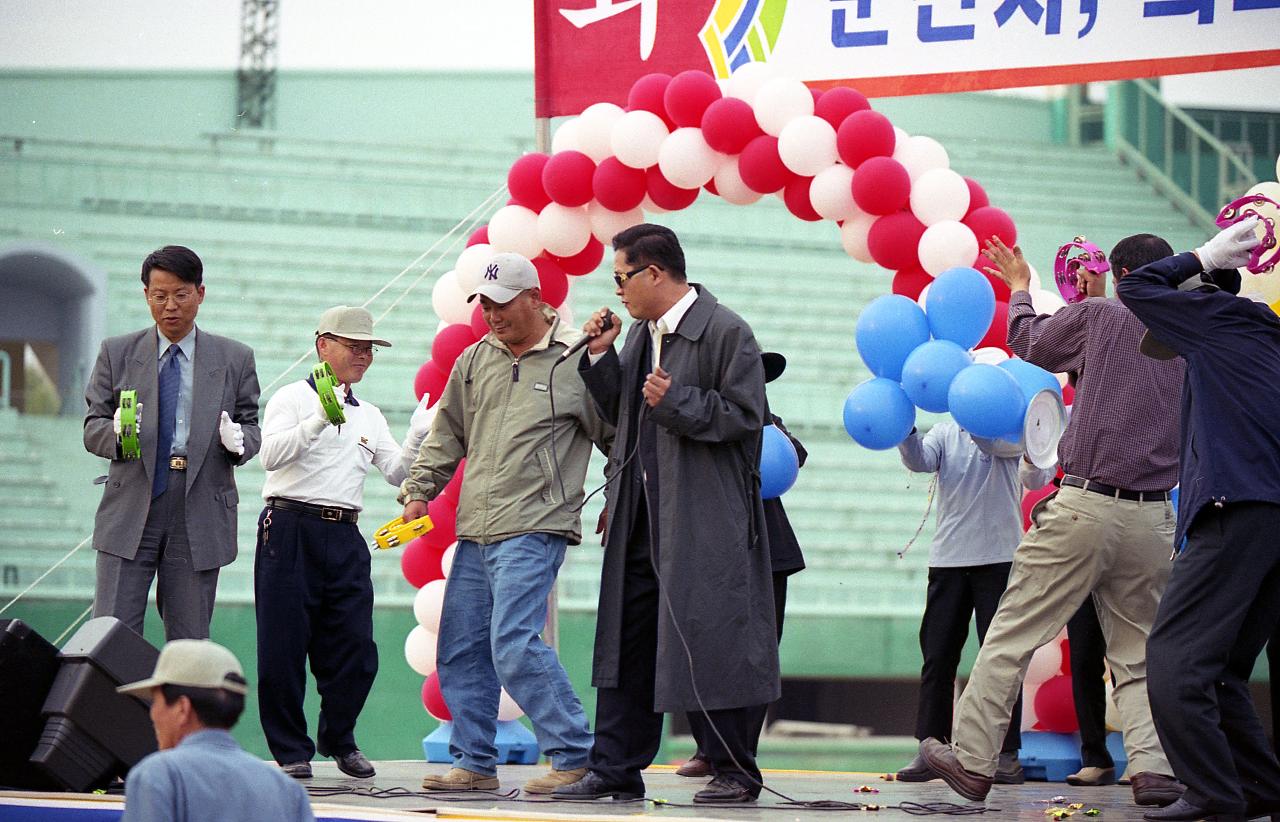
923,357
1047,704
426,563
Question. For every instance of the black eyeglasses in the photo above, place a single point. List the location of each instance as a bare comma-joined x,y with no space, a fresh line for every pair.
621,279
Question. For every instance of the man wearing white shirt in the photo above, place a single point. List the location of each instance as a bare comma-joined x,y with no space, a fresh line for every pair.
312,591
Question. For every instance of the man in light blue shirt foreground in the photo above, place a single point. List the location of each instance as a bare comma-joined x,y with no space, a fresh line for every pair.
978,529
200,772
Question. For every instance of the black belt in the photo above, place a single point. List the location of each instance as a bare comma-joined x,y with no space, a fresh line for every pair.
1112,491
324,512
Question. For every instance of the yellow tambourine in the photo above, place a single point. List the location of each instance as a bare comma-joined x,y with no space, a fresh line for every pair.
398,532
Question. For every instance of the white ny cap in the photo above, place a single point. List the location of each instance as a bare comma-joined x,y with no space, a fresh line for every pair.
505,276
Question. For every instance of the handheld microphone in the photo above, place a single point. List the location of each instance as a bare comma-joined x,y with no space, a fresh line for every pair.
580,344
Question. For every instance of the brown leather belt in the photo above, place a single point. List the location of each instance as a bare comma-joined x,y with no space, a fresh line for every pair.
1112,491
324,512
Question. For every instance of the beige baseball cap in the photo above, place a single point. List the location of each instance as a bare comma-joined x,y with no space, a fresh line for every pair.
351,322
194,663
506,275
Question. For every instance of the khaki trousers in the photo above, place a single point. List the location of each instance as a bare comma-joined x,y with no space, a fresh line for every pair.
1081,542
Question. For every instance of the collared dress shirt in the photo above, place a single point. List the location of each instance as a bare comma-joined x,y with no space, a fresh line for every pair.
668,323
186,358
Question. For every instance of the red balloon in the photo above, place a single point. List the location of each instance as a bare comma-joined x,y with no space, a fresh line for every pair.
647,95
1065,670
478,326
567,178
444,523
433,700
881,186
453,490
909,282
618,187
480,235
838,103
1068,394
430,381
1029,500
551,280
729,124
761,166
1001,288
524,181
796,196
894,239
666,195
1055,709
586,260
988,222
864,134
420,563
451,341
977,196
711,187
688,95
998,332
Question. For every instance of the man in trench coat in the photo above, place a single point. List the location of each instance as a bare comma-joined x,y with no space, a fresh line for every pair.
686,620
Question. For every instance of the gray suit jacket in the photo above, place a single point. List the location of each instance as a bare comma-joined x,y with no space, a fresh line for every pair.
223,379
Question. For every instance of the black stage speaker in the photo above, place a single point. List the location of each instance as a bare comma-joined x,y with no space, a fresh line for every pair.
28,664
91,733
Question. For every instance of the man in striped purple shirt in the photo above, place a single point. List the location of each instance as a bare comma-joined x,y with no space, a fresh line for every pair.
1107,532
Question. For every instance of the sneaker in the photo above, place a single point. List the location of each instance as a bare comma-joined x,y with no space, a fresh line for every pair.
1091,776
460,779
554,780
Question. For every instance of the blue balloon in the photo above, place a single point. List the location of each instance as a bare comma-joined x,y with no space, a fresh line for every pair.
987,402
889,329
779,463
878,414
960,305
929,370
1032,379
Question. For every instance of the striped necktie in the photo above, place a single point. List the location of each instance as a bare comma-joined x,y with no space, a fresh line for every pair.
166,420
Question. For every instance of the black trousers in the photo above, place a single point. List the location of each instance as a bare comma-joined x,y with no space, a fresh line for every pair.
1218,612
954,595
628,731
1088,689
313,599
1273,669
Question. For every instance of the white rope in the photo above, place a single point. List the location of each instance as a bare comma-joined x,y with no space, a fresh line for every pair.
40,578
933,486
73,624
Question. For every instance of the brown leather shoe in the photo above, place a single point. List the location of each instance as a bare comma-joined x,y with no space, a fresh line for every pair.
695,767
1155,789
1091,776
460,779
553,780
940,757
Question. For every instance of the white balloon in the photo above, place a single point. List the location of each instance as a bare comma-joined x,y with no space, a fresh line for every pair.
853,236
920,154
779,101
1278,166
924,298
637,137
449,301
1046,663
446,560
428,604
946,245
566,137
507,707
989,355
939,194
563,230
831,193
595,130
899,136
441,326
420,648
1036,282
747,79
650,207
807,145
471,264
729,184
1046,302
515,228
1029,718
605,223
686,160
565,311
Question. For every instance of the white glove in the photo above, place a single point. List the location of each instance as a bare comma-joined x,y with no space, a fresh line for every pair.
231,435
137,420
1232,246
420,422
340,394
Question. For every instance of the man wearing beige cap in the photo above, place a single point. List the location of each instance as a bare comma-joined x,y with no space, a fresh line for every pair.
312,590
197,695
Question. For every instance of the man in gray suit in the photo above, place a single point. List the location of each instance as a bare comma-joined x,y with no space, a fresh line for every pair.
171,512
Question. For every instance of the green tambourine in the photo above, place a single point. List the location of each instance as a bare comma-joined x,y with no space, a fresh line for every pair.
325,382
128,439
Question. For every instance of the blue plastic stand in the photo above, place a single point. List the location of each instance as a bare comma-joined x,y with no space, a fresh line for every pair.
516,744
1051,757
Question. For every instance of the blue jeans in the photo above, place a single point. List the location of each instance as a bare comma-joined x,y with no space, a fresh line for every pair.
494,607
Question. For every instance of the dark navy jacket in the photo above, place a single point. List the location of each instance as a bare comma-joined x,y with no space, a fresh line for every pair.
1231,395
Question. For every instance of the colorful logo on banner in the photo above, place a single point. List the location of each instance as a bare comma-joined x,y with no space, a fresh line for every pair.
741,31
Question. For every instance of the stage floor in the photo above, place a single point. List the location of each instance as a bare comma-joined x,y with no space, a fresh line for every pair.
336,797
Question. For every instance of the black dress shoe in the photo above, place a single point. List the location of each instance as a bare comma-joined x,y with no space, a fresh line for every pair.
725,790
593,786
1184,811
298,770
1009,770
355,764
1256,809
917,770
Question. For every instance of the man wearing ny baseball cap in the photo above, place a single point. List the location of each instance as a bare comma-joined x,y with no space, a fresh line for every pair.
312,592
200,772
526,430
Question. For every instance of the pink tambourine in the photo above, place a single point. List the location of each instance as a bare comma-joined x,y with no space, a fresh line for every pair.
1248,206
1066,267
